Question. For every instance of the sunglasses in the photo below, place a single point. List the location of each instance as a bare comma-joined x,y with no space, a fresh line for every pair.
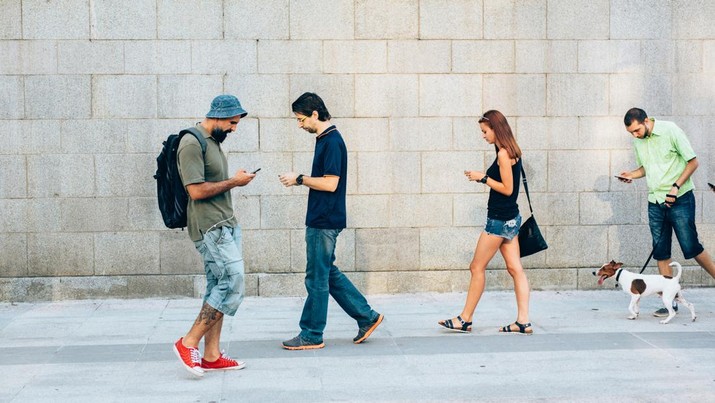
483,118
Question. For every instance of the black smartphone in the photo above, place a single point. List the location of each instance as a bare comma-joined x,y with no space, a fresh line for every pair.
256,170
621,178
711,186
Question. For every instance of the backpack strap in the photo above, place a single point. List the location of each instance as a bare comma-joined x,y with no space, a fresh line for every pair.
199,136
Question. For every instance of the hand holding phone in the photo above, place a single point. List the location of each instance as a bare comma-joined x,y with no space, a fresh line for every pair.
623,179
254,172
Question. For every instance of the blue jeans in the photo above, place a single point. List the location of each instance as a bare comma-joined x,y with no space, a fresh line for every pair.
222,253
679,218
323,278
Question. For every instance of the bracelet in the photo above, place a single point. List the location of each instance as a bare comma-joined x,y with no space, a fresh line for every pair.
676,185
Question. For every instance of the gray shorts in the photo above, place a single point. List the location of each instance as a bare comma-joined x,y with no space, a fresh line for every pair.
223,262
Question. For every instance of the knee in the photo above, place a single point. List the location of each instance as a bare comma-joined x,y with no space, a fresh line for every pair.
476,269
515,270
316,286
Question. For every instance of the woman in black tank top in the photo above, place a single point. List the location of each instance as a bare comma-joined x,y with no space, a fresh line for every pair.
502,226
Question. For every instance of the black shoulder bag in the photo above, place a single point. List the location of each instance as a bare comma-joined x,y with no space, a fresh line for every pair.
530,238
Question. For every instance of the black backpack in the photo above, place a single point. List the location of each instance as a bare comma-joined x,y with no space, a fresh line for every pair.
170,191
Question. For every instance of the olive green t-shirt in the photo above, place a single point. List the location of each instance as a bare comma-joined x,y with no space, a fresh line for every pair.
197,168
664,156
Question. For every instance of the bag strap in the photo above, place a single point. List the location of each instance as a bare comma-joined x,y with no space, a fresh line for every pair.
526,186
199,136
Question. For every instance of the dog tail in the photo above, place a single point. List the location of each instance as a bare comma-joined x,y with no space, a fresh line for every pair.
679,267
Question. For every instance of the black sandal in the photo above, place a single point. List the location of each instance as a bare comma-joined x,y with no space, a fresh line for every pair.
523,328
448,324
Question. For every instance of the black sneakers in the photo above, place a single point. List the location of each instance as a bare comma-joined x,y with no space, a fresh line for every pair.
299,343
365,331
663,312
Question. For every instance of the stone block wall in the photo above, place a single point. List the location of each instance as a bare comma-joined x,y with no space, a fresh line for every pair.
90,88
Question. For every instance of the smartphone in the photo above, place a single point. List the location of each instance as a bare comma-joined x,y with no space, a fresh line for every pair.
622,178
711,186
256,170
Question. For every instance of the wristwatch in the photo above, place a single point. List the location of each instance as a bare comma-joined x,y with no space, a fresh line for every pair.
299,179
484,179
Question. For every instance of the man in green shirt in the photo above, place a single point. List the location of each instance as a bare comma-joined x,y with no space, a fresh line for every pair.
215,232
666,159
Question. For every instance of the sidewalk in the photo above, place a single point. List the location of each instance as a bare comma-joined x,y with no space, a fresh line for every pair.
584,349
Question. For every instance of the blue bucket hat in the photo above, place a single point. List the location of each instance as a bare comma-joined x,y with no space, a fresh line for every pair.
225,106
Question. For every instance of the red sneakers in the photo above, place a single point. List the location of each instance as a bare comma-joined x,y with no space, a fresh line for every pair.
190,357
223,362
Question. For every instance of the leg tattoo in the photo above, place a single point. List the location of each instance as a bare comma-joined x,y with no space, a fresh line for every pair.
208,315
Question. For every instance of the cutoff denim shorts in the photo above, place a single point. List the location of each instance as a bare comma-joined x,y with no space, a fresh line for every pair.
222,253
505,229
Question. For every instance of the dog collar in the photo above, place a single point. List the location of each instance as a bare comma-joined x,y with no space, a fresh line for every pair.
618,274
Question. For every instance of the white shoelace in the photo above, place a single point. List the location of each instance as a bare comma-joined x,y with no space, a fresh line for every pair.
226,357
195,356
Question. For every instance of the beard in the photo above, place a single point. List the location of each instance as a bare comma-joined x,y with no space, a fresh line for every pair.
219,135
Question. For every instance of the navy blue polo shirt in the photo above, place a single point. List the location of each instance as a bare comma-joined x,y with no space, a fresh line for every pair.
326,210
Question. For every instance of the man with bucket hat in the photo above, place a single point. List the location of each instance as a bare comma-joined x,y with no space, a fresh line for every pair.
215,231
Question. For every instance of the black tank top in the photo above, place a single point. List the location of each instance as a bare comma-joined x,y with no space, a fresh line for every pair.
501,207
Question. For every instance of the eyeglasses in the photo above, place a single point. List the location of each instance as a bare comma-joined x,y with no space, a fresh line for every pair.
300,120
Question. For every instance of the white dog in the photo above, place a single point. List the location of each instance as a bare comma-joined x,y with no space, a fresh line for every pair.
641,285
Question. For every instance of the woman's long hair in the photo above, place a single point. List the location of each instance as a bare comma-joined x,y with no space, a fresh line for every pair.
502,132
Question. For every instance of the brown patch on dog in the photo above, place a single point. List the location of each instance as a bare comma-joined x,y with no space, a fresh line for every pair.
638,286
668,277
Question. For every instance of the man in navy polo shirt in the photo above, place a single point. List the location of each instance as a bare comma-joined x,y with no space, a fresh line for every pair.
325,219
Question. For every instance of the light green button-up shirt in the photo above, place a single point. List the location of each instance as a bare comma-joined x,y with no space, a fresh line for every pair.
664,155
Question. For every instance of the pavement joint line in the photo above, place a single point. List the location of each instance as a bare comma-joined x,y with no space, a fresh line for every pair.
410,345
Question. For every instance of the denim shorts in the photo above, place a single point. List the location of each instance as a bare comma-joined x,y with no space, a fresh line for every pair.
222,253
505,229
680,217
